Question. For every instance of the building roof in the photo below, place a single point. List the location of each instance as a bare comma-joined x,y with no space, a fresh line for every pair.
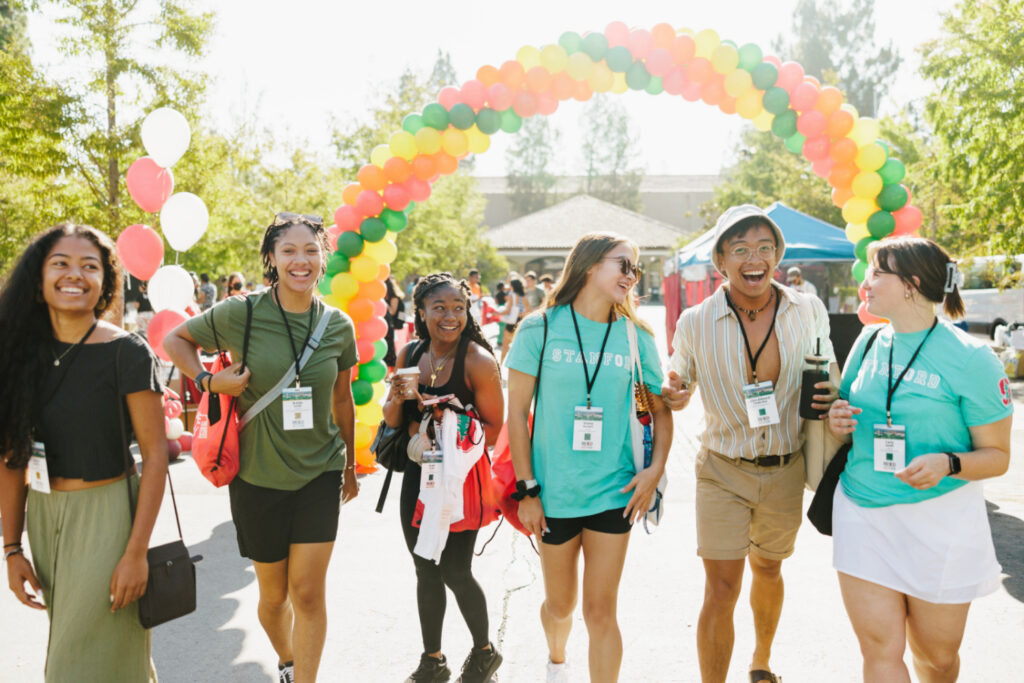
561,225
649,184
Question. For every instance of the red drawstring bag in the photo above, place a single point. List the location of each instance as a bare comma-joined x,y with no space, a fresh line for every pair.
215,447
505,479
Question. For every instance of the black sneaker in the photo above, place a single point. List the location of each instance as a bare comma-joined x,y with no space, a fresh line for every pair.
480,665
430,670
286,672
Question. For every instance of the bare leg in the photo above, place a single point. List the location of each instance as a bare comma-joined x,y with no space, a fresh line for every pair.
603,558
766,594
561,582
935,632
275,610
878,615
715,633
307,578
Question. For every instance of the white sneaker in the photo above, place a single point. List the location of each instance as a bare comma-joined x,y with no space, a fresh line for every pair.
558,673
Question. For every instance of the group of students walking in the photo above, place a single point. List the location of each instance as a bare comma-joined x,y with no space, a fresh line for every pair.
928,410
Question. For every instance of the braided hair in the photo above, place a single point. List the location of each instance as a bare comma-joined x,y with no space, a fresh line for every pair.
425,285
271,236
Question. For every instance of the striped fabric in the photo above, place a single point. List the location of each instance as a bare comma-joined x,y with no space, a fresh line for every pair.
709,354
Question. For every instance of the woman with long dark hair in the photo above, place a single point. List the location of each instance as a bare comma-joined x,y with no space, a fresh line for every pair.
452,357
512,312
67,377
297,463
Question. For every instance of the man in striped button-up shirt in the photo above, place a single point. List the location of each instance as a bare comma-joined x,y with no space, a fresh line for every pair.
751,333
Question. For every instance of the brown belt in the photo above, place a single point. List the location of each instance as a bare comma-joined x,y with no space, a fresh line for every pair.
761,460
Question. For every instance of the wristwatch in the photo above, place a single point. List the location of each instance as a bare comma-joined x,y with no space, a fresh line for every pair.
199,380
524,488
954,463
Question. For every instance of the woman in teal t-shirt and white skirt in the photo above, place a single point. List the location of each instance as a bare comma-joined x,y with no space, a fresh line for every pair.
929,409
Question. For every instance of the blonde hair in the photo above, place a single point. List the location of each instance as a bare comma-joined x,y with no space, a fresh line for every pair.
585,254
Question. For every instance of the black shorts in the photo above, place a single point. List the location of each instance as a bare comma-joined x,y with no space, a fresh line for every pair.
563,529
267,521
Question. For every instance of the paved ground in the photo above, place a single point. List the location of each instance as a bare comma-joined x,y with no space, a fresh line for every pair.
374,635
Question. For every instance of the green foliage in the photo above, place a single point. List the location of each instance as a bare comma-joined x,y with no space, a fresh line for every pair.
610,154
528,167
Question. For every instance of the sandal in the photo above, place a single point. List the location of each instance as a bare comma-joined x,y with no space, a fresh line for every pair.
762,675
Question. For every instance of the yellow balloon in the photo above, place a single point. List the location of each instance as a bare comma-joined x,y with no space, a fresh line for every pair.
344,286
369,413
867,184
601,79
403,144
739,83
579,66
554,58
763,121
528,56
391,235
685,31
858,210
364,435
725,59
332,300
454,142
870,157
748,105
380,155
706,41
378,391
364,268
619,84
855,232
428,140
383,251
477,141
865,131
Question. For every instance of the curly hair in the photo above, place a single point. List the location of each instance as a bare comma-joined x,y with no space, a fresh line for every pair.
274,231
427,284
26,334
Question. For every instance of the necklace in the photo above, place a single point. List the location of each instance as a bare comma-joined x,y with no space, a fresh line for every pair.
434,372
751,313
57,359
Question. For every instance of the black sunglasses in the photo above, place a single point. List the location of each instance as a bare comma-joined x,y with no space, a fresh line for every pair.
288,218
627,266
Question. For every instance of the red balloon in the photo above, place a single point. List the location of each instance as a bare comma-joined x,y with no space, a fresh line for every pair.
791,75
862,294
448,97
419,190
499,97
822,167
162,323
811,123
640,43
867,317
773,60
172,408
474,93
379,309
347,218
140,250
373,329
365,350
617,34
173,449
369,203
805,96
186,441
674,82
525,104
396,197
908,220
149,184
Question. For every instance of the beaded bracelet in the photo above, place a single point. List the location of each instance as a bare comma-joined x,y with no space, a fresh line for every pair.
10,553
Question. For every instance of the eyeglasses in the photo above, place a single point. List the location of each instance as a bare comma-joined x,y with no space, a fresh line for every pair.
627,266
765,251
288,218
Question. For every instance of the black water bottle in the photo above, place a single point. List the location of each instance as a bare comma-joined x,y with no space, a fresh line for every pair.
815,370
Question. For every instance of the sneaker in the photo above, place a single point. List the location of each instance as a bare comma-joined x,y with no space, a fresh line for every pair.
558,673
480,665
430,670
286,672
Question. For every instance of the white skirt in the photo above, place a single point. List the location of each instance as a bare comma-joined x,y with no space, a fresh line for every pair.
938,550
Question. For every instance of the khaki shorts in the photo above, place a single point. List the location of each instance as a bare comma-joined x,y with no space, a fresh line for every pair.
743,508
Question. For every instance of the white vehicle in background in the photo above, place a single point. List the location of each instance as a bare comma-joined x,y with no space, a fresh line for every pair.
993,291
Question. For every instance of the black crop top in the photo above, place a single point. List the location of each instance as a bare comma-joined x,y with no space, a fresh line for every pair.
456,383
78,420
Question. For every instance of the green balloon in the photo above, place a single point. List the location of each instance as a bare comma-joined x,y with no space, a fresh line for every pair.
861,250
619,58
750,57
637,76
412,123
510,121
892,171
488,121
776,100
795,143
350,244
596,46
859,270
892,197
362,392
435,116
324,286
462,116
372,372
784,125
373,229
570,41
336,263
380,349
764,75
395,220
881,224
655,87
408,209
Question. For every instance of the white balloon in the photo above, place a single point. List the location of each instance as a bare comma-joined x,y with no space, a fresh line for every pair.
175,428
184,219
170,288
165,135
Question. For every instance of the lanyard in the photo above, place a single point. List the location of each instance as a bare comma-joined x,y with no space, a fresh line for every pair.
586,373
291,342
894,387
746,342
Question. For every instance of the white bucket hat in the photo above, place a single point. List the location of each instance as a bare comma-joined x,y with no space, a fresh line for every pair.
734,215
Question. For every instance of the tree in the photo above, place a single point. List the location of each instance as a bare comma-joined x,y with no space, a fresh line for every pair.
528,167
610,154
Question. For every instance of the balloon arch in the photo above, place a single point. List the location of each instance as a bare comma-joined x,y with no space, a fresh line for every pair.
814,121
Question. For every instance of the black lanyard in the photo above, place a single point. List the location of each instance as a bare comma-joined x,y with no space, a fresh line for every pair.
291,341
71,355
746,342
894,387
586,373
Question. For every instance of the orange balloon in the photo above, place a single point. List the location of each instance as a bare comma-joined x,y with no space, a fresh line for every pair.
829,100
562,86
583,91
446,164
397,170
374,290
538,79
839,124
842,175
424,166
682,50
663,35
713,90
349,194
840,197
843,151
384,272
488,75
360,310
372,178
512,74
364,458
728,105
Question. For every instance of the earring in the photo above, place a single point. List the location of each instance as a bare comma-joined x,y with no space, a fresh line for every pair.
906,295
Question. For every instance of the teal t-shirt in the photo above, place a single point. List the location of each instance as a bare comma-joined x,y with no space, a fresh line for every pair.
955,383
580,483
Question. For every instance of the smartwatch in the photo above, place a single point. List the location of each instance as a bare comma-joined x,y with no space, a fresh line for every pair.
954,464
199,380
525,488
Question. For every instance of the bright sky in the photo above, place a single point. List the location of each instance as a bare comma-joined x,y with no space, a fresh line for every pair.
296,64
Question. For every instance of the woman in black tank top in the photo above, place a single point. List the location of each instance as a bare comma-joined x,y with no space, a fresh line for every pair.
453,358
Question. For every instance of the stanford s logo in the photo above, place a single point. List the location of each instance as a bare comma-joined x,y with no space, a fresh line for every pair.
1005,391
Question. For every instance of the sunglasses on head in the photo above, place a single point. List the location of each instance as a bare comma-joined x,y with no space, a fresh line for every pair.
289,218
627,266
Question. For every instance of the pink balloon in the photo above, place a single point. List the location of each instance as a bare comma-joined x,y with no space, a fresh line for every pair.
499,97
369,203
525,104
772,59
617,34
822,167
379,308
140,250
547,104
640,43
474,93
162,323
448,97
908,220
791,75
186,441
816,148
675,81
811,123
347,218
691,91
866,317
419,190
373,329
396,197
659,62
804,97
149,184
172,409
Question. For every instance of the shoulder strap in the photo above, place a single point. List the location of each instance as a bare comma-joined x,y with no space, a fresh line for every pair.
540,366
413,357
248,329
289,376
871,341
634,351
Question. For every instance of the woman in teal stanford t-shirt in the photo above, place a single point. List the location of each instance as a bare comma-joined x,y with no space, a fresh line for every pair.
930,412
580,461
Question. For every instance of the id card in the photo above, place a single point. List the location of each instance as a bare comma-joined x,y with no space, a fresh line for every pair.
38,473
298,407
430,469
761,407
586,428
890,448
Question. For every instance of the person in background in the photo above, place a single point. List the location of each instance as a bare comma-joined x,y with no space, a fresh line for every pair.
500,297
512,312
395,317
795,279
235,285
547,283
476,293
534,294
207,292
137,300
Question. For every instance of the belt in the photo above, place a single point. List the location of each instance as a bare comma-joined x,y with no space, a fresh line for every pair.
769,460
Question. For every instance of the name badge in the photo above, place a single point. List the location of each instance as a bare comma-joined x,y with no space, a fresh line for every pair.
430,469
298,407
890,448
586,428
761,407
38,474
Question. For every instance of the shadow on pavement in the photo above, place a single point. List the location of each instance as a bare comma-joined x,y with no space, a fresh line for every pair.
198,647
1008,535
